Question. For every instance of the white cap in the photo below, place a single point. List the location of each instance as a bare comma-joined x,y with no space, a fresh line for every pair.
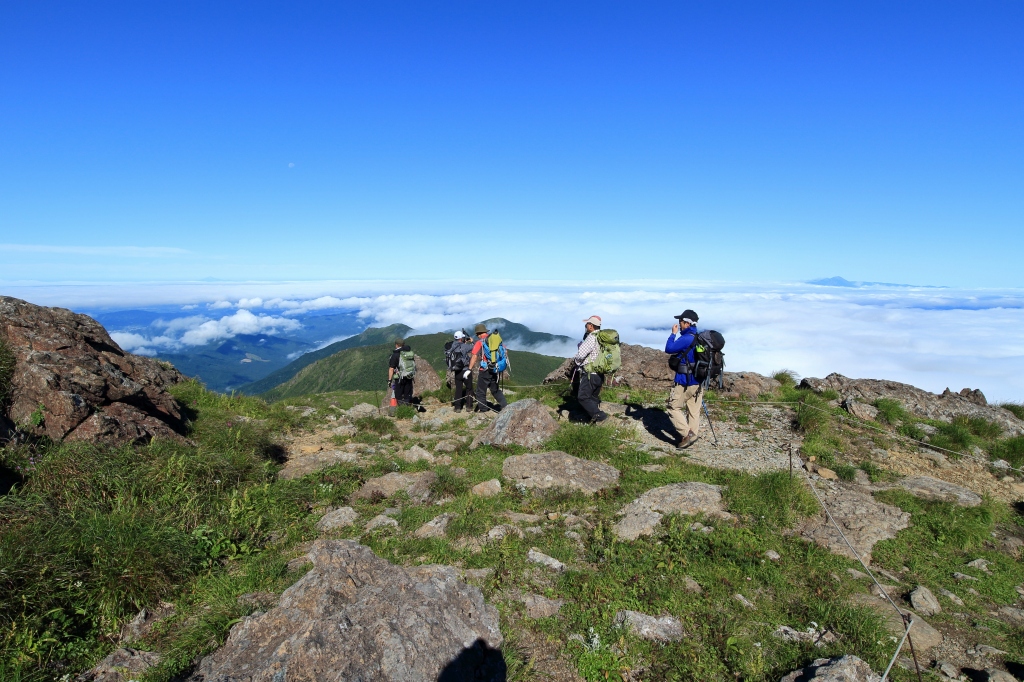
459,335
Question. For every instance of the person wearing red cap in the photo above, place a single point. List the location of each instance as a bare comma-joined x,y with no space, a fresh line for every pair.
589,392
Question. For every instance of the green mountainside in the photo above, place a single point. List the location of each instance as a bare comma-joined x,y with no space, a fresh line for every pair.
521,335
370,337
227,365
365,368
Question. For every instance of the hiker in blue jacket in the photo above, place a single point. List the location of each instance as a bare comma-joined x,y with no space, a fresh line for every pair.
687,394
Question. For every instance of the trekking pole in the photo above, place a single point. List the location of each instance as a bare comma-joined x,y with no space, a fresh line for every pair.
707,414
710,423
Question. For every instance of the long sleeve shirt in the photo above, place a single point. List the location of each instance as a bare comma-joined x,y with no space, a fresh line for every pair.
587,350
681,344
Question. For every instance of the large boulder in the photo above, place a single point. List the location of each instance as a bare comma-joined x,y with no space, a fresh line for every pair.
426,378
643,514
847,668
355,616
864,521
919,402
557,469
526,422
72,381
747,385
642,368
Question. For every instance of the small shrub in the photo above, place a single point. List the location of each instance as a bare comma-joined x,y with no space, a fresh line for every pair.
379,425
1016,408
405,412
786,377
584,440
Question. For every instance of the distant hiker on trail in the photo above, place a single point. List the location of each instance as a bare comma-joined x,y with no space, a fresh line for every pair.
401,371
688,392
457,355
590,376
491,358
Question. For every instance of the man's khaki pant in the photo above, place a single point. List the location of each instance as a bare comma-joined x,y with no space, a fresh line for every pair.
684,408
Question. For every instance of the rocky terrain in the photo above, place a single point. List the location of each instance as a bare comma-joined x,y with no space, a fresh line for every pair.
790,542
71,381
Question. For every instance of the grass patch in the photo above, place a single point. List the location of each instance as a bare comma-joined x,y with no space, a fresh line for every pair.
381,426
845,472
589,441
405,412
1016,408
892,412
772,499
1010,449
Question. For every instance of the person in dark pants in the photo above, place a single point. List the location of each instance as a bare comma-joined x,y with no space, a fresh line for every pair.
463,376
400,374
589,392
487,377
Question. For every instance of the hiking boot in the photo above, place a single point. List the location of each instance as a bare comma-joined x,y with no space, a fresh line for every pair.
600,417
689,440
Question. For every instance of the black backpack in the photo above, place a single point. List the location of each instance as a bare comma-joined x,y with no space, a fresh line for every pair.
708,358
455,356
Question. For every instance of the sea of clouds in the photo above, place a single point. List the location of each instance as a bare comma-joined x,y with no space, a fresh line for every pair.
929,337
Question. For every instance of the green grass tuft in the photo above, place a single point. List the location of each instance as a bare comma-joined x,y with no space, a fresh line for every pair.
380,425
892,412
589,441
787,377
405,412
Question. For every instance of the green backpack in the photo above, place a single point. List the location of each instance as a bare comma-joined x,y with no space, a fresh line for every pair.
406,365
608,357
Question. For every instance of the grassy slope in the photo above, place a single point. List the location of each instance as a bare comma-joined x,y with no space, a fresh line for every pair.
370,337
118,529
365,368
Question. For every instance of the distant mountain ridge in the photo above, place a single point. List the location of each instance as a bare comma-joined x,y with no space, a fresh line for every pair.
369,337
843,282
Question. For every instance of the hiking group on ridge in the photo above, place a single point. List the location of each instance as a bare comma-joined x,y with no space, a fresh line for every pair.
694,356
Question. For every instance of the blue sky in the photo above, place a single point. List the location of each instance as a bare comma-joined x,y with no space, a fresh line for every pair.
301,141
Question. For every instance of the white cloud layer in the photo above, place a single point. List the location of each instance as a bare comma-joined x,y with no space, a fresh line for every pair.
198,330
929,337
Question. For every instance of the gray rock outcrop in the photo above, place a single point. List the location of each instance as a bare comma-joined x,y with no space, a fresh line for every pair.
337,519
655,629
864,521
355,616
71,381
933,489
557,469
642,515
924,601
122,665
526,422
848,668
924,635
415,485
918,402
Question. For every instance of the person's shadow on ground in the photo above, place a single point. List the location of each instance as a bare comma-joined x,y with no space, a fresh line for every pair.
655,422
476,663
